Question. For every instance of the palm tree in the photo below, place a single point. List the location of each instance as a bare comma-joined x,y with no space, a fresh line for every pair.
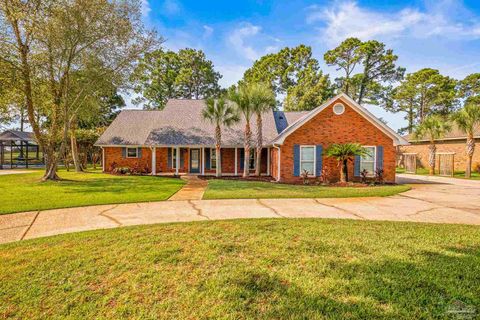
345,153
467,120
240,96
432,128
220,113
261,99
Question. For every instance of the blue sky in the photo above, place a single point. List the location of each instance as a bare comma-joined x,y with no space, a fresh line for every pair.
442,34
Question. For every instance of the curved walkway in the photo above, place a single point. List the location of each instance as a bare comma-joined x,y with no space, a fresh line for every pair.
432,200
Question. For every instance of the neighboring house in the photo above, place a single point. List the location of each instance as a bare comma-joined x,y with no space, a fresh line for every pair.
454,143
178,140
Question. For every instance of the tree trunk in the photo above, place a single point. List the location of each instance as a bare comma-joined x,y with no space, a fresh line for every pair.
74,150
246,146
258,162
50,165
344,172
470,150
218,151
410,118
431,158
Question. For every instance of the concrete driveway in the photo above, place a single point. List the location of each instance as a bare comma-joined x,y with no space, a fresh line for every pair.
434,200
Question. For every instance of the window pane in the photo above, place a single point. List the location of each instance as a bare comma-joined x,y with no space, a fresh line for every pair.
174,158
306,166
307,153
213,158
252,160
369,166
371,154
132,152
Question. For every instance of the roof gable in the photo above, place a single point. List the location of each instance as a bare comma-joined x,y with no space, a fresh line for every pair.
397,139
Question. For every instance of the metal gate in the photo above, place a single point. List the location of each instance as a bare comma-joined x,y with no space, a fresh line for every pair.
410,161
446,163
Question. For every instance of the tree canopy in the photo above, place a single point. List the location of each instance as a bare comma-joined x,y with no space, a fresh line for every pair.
293,72
379,69
165,74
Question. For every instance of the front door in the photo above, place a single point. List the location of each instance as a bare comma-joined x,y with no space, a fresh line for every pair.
194,160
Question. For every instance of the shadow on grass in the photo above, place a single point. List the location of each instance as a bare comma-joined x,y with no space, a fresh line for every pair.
388,288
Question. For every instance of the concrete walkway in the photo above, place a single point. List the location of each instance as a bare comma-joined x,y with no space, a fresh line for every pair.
193,190
4,172
439,201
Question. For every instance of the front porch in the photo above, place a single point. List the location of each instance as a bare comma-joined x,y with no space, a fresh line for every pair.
194,160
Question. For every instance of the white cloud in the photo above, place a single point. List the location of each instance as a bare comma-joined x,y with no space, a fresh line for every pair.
348,19
145,7
230,73
207,31
171,7
238,39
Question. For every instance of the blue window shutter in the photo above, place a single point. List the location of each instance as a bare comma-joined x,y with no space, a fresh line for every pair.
242,158
296,160
379,157
182,157
169,158
356,167
207,159
319,158
124,152
139,152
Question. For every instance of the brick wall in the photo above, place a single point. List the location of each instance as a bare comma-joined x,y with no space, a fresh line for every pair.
327,128
113,157
457,146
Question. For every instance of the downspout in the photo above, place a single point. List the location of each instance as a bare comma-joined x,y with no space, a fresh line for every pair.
278,161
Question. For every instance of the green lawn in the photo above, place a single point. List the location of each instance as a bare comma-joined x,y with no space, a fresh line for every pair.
25,192
457,174
245,269
234,189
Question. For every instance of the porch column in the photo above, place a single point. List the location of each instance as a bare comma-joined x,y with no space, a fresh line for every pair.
103,158
154,160
236,160
203,161
268,161
177,165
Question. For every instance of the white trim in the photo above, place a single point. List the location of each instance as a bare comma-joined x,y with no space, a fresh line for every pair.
278,161
371,174
236,161
177,162
268,161
203,160
314,159
136,152
103,159
154,160
445,153
397,139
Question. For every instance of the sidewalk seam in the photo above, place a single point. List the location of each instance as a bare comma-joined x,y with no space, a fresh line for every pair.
30,226
103,214
271,208
341,209
198,210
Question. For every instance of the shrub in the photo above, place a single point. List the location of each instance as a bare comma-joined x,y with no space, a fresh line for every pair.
364,175
476,167
305,177
379,176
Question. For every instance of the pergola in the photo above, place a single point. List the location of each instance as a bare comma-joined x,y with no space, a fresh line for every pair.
18,149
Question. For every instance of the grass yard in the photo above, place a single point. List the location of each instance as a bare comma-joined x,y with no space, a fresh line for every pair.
234,189
457,174
245,269
25,192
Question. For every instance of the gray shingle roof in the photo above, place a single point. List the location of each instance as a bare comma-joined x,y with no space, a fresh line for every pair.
181,123
16,135
454,134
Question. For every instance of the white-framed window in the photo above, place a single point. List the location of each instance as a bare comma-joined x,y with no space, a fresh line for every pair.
338,108
213,158
174,158
307,159
251,161
368,161
132,152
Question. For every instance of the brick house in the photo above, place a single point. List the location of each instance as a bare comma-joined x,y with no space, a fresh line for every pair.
177,140
453,143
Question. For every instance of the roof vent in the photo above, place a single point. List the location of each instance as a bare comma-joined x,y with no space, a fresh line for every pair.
338,108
